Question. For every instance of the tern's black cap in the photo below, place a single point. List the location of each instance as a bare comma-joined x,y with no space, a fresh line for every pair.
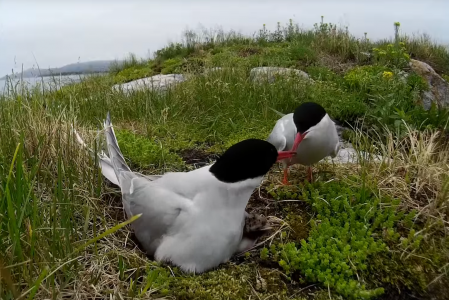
307,115
247,159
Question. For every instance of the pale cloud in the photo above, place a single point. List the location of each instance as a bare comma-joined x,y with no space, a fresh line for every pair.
61,32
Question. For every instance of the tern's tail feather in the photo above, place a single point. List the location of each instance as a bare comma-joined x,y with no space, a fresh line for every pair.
105,163
106,166
279,113
115,155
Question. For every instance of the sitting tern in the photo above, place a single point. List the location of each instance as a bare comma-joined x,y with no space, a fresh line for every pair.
254,226
310,132
194,220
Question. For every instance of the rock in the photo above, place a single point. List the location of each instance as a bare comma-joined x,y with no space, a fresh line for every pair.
156,83
270,73
347,153
438,92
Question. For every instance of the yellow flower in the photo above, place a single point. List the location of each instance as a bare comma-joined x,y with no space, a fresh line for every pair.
387,75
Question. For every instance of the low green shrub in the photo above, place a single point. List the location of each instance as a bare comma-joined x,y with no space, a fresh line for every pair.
366,78
133,73
392,56
351,226
171,65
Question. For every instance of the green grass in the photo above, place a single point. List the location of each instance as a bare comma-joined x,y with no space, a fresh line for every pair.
352,233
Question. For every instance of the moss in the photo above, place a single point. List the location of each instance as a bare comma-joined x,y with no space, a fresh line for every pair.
231,282
412,271
299,224
388,268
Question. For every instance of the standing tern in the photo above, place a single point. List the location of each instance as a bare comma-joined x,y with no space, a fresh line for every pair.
310,132
194,220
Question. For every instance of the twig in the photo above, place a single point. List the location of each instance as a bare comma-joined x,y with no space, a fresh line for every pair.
255,292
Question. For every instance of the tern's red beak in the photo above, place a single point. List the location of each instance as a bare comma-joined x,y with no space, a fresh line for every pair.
298,139
285,154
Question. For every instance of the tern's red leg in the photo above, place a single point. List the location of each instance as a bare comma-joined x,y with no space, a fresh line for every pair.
285,181
309,174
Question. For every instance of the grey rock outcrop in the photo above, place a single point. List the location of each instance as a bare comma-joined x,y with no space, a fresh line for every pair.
348,154
156,83
438,92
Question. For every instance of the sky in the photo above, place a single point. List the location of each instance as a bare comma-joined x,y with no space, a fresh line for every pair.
54,33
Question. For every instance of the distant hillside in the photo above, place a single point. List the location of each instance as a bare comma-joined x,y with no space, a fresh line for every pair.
97,66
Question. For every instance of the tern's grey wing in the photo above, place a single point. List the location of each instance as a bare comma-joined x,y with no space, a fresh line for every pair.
321,141
152,177
277,139
159,205
283,133
335,138
330,135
